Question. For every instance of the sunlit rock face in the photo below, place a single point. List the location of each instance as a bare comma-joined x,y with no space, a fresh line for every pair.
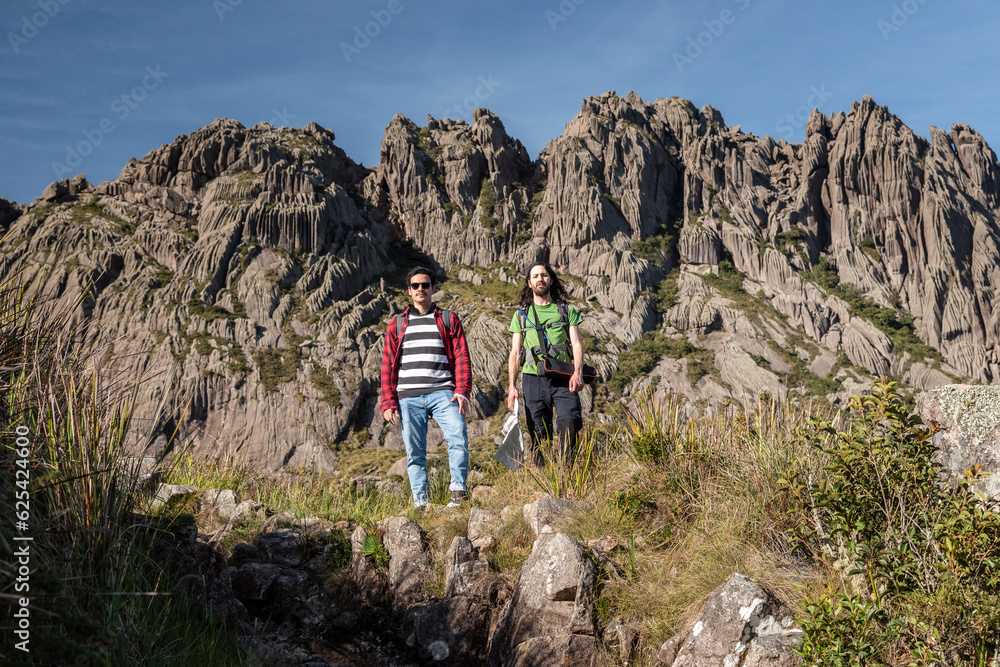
247,274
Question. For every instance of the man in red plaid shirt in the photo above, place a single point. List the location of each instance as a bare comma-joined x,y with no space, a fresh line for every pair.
427,372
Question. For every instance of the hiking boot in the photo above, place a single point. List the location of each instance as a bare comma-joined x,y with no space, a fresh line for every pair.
458,497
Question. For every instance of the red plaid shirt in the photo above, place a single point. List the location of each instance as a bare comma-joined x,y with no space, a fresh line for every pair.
455,347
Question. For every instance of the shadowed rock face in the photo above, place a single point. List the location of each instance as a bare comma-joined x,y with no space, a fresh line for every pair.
244,271
8,214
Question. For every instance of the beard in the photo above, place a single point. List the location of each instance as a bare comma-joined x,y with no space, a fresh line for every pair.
540,291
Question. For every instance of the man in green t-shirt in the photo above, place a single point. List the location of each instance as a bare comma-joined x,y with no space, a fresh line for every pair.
541,297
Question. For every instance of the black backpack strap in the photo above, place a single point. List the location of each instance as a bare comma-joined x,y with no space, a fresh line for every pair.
522,319
564,323
446,317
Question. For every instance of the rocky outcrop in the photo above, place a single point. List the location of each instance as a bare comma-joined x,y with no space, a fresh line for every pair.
550,619
742,624
65,190
190,266
247,273
8,213
968,417
409,565
461,191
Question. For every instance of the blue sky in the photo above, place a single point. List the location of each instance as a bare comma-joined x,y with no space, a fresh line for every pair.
86,85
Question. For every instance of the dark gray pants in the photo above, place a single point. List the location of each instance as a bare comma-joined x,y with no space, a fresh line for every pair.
541,395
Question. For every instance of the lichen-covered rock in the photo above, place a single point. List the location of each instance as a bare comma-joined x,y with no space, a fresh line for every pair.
742,624
969,419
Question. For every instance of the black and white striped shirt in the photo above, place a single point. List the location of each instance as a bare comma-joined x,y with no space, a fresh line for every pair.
423,366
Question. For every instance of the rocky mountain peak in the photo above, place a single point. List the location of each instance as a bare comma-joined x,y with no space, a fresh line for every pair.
251,270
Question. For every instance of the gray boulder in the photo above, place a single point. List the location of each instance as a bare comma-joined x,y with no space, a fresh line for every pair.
409,564
548,512
742,624
463,568
64,189
167,492
9,212
969,418
285,547
481,528
550,618
221,502
253,581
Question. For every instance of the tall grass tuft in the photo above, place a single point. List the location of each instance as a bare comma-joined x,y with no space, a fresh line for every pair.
564,474
704,500
94,596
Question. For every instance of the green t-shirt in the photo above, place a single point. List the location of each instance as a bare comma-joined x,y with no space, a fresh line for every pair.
554,335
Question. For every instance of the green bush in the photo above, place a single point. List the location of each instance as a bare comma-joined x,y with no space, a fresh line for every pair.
277,365
321,379
922,552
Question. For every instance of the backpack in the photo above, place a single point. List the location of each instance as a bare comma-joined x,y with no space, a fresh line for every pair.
546,349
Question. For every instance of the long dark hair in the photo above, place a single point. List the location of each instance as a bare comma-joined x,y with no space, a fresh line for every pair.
557,293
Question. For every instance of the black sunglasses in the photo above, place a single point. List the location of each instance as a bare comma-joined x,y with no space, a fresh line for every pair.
419,285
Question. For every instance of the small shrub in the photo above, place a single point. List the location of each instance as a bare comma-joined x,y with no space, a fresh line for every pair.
339,554
666,292
321,379
910,537
374,550
276,366
790,237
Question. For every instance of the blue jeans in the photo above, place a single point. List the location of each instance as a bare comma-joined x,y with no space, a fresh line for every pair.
413,414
